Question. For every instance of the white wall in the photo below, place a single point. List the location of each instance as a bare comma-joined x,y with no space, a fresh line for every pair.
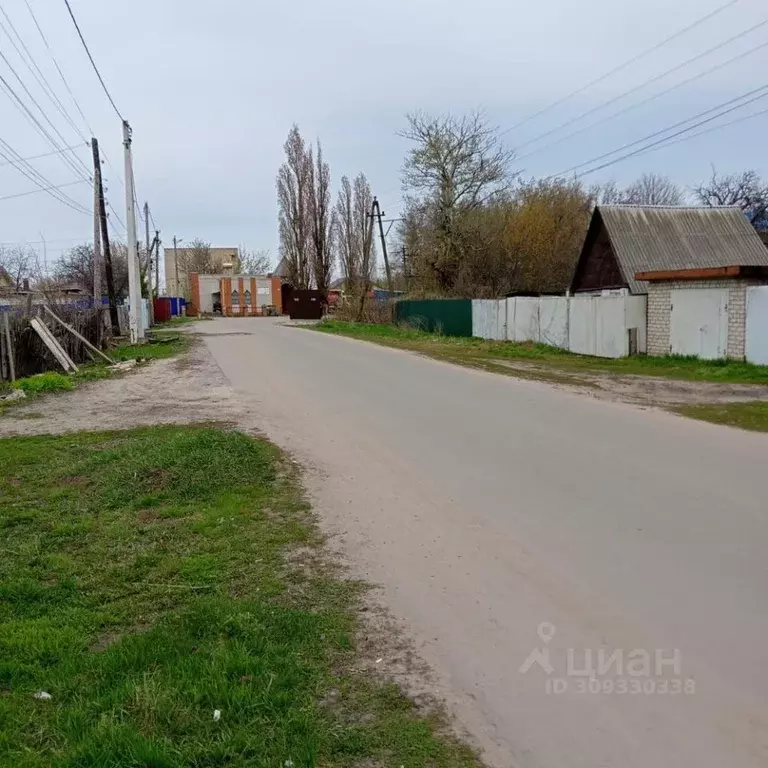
489,319
586,325
757,325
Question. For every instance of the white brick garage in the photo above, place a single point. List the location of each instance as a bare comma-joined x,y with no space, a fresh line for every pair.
665,335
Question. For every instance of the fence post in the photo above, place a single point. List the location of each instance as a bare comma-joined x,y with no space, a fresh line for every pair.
9,347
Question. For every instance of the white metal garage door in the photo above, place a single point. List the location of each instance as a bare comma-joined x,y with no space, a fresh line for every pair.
757,325
699,323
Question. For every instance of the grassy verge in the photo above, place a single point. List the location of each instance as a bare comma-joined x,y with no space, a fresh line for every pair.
751,416
144,586
480,353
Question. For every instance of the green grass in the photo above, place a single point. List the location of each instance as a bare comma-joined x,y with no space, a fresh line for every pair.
144,584
45,382
751,416
481,353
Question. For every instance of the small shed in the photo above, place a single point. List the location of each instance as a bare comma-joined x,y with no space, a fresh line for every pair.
697,266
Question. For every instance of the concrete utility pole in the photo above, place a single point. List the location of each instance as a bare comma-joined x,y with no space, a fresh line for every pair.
176,262
377,212
157,263
113,319
134,279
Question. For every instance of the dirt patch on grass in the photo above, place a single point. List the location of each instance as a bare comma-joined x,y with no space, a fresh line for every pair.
639,390
185,390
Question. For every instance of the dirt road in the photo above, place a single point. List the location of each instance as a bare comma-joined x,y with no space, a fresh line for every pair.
502,517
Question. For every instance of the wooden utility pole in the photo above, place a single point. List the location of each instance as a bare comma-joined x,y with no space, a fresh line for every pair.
97,282
377,212
113,318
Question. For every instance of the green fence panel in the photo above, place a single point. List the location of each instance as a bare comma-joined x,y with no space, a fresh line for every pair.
453,317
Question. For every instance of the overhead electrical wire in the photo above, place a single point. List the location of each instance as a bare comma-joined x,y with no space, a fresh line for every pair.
642,85
714,128
37,73
623,66
15,159
44,189
58,68
69,89
756,94
653,97
50,154
26,111
93,63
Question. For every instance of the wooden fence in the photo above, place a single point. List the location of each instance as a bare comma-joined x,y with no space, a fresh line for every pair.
30,355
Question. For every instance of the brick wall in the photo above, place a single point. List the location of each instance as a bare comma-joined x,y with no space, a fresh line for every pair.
659,302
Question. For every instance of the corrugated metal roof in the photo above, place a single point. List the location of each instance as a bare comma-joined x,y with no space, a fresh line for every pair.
650,238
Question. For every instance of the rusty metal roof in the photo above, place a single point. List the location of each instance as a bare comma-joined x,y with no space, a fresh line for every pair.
655,238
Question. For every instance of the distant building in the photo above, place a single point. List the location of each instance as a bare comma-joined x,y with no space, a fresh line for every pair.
234,295
177,260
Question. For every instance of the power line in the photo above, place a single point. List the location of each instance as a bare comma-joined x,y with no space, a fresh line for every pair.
10,154
25,110
652,80
642,103
714,128
645,149
93,63
623,66
49,154
44,189
662,131
37,73
58,68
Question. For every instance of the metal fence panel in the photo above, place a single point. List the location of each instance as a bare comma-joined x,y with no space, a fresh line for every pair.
453,317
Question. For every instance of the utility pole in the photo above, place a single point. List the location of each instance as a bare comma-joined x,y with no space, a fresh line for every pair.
149,249
134,280
97,284
175,263
157,263
377,212
113,319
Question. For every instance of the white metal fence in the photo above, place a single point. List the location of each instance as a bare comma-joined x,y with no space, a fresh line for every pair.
604,326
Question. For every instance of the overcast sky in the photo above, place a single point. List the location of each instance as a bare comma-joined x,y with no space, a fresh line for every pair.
211,90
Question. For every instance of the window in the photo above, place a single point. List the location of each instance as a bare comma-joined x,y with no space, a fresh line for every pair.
235,297
247,298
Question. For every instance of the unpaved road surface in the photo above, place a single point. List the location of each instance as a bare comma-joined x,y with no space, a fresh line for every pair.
503,516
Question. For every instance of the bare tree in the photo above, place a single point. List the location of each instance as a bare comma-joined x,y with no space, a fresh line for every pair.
197,257
649,189
255,262
363,218
745,190
346,236
293,186
76,266
321,220
652,189
455,161
21,264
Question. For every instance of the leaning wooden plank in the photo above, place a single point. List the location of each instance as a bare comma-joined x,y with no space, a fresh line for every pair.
82,338
9,347
53,345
